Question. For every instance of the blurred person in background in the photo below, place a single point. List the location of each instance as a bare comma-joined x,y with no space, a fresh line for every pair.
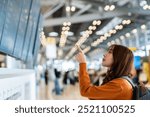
46,76
146,70
57,89
69,78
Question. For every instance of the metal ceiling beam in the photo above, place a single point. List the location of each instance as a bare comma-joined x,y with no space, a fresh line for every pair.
87,7
92,16
135,10
78,4
51,11
82,4
95,2
49,2
83,18
123,2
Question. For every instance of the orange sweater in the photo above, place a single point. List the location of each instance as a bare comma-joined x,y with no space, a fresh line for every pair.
117,89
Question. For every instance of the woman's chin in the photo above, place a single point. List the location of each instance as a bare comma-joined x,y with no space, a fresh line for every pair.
105,65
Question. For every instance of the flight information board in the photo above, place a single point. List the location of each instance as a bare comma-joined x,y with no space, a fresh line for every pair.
22,28
19,23
3,4
31,29
35,27
37,42
13,11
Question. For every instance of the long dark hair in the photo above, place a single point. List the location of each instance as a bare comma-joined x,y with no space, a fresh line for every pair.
122,63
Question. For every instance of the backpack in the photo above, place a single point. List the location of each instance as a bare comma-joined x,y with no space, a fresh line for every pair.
140,92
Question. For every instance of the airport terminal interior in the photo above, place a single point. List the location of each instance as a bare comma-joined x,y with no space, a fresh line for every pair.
38,41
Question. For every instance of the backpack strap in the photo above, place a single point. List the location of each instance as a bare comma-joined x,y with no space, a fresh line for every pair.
134,87
129,80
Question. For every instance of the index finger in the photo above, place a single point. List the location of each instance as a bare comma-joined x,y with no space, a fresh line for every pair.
78,47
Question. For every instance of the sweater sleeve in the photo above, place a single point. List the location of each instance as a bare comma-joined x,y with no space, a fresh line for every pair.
110,90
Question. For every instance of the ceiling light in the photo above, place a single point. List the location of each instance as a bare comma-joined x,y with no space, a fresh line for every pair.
68,23
143,2
106,8
143,26
98,22
94,22
106,35
145,7
68,8
98,41
94,27
122,37
117,40
114,31
62,33
73,8
120,27
90,32
109,44
102,38
86,32
112,7
70,33
127,34
128,21
113,42
67,28
124,22
65,23
87,36
134,31
63,28
66,32
93,44
90,28
53,34
117,27
111,31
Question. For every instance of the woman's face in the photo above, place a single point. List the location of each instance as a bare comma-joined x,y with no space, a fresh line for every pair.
108,58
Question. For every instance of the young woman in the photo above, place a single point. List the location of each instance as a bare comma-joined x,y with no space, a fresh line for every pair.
119,60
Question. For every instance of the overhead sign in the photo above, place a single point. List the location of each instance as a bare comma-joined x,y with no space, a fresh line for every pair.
51,51
133,48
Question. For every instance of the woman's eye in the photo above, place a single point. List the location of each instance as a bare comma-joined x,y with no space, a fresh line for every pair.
109,51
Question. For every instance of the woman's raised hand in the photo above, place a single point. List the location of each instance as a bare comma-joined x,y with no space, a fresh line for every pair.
80,57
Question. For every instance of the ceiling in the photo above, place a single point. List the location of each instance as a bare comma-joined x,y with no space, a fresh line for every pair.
134,13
